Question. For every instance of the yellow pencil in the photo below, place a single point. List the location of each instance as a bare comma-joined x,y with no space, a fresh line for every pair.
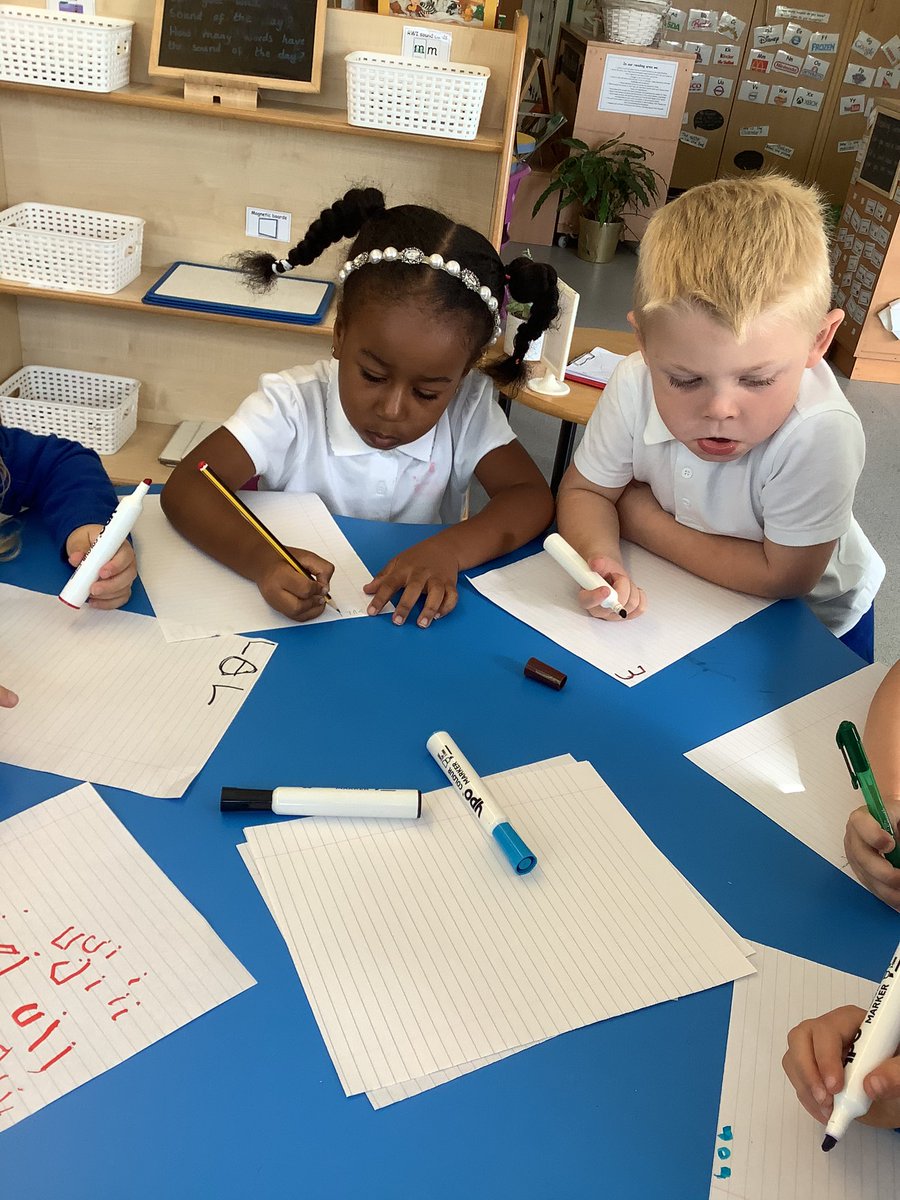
206,469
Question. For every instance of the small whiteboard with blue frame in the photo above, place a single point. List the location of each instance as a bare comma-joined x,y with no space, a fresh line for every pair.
200,288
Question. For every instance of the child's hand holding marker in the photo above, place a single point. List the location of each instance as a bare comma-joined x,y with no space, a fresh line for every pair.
607,592
112,587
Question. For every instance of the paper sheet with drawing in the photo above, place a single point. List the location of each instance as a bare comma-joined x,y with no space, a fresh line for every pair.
683,614
787,764
394,965
766,1144
103,697
100,954
194,596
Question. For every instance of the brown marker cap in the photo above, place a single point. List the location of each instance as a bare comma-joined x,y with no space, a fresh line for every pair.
543,673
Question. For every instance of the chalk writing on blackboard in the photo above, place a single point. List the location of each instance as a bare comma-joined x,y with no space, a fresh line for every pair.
881,163
275,43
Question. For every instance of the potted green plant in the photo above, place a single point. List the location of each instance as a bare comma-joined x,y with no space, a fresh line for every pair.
607,182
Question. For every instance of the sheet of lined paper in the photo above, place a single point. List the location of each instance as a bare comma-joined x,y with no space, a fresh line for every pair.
194,596
788,765
100,954
767,1145
683,612
103,697
420,950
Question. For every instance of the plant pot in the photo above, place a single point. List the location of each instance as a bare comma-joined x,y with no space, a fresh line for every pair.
597,243
535,349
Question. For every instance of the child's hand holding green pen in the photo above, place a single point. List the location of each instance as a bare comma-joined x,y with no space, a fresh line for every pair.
881,876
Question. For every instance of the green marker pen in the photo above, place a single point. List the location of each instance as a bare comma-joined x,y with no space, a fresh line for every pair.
850,745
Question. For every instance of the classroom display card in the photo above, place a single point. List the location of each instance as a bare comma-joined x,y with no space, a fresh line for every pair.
100,954
766,1143
194,596
788,765
103,697
683,613
407,980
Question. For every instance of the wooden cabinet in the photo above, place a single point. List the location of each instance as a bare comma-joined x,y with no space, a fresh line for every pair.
190,171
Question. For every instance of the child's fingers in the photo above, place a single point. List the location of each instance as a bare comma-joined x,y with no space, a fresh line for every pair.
866,830
410,595
884,1082
122,563
320,567
381,588
451,597
434,602
8,699
868,864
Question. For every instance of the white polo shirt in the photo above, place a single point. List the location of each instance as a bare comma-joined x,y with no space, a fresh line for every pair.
300,440
796,488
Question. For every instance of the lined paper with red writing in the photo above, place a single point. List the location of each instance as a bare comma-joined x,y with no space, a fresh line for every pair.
100,954
420,949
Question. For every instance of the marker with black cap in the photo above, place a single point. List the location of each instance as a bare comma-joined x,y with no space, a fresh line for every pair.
324,802
876,1042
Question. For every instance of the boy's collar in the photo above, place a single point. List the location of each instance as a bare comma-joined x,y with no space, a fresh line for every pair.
345,441
656,430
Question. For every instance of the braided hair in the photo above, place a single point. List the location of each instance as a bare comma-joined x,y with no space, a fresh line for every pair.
361,214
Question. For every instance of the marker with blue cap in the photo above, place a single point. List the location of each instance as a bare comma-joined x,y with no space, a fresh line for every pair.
479,801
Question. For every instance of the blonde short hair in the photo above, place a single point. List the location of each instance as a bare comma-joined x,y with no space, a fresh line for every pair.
10,536
738,249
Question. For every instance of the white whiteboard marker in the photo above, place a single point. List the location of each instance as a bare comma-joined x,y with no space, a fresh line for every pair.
114,533
324,802
876,1042
473,790
572,562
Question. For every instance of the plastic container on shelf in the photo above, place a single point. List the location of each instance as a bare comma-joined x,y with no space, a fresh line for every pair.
633,22
65,50
387,91
69,249
100,411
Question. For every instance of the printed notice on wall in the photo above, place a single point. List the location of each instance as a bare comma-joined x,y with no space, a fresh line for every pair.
640,87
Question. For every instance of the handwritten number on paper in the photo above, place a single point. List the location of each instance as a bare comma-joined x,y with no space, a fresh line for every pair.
631,674
723,1153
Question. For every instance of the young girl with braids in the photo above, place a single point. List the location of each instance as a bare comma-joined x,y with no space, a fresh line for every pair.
66,483
397,423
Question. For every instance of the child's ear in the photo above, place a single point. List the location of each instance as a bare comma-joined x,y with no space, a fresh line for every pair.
824,337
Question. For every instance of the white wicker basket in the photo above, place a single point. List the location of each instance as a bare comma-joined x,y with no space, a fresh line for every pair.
386,91
100,411
632,26
89,54
71,249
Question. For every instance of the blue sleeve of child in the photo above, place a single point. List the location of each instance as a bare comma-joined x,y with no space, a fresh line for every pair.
62,480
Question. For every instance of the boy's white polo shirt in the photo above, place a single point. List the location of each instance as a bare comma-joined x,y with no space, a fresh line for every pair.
295,431
796,488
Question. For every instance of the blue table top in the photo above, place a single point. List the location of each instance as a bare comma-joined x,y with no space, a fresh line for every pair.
245,1102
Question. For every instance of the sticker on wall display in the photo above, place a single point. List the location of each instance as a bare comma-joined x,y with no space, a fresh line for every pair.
869,207
846,280
840,299
697,81
778,149
814,68
787,64
692,139
810,15
865,44
877,259
726,55
768,35
730,24
851,146
796,36
887,77
753,92
675,19
701,51
851,104
780,96
702,19
879,212
891,50
268,223
640,87
719,87
857,249
864,224
824,43
854,219
859,75
755,131
811,101
881,236
759,62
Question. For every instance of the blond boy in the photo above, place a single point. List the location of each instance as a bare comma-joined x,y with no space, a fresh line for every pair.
726,445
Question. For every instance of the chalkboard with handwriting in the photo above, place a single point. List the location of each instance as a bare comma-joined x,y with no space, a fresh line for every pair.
881,164
272,43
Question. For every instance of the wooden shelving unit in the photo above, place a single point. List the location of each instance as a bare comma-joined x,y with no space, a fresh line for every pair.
190,171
